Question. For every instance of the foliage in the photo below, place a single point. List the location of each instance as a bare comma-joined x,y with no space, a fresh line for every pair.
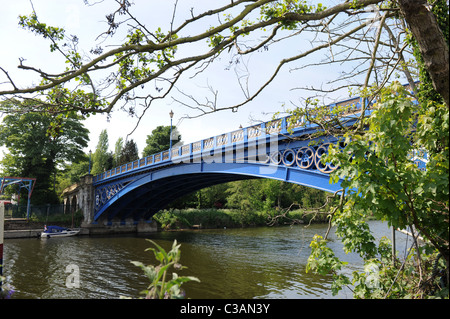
38,143
144,63
102,158
160,286
269,197
381,278
168,219
204,218
128,153
381,166
281,9
60,219
323,261
383,179
210,197
159,140
231,218
379,173
71,173
117,151
244,195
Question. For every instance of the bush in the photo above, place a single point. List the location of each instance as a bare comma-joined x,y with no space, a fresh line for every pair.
209,218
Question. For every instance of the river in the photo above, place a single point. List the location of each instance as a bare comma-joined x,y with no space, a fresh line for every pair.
249,263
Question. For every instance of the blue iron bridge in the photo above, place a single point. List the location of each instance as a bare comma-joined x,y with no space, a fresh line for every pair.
137,190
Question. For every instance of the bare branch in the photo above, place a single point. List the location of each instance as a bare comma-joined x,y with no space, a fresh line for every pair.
159,49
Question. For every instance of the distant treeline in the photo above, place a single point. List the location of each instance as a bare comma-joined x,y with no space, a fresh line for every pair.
244,203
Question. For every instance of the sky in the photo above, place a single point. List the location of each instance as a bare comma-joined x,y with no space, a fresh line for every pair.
88,22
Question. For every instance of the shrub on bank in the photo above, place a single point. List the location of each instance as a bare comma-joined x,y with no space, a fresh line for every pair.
230,218
60,219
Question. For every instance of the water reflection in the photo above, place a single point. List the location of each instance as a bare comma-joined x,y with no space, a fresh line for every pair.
231,263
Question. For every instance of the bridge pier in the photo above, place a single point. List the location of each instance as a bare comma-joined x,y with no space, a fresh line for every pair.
86,198
117,227
81,196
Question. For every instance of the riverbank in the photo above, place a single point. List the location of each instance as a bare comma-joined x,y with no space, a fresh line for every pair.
175,219
21,228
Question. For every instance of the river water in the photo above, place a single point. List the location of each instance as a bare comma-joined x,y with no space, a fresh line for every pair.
249,263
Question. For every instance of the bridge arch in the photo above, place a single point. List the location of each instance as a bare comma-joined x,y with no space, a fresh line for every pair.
143,196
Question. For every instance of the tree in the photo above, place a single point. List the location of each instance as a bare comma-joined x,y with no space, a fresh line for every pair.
366,35
381,178
36,151
159,140
432,39
129,153
102,158
117,151
212,197
244,195
71,173
372,41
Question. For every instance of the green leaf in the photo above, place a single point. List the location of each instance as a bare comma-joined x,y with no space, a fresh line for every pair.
161,254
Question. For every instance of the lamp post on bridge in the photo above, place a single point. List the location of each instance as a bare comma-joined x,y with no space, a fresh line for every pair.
90,153
170,137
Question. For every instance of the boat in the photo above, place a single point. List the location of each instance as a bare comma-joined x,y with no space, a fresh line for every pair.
57,231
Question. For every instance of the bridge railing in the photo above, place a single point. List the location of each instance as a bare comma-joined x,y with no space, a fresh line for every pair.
277,126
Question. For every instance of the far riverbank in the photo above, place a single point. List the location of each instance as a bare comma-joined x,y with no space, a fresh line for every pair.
230,218
178,219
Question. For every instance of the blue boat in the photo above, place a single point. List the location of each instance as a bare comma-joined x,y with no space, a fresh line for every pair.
57,231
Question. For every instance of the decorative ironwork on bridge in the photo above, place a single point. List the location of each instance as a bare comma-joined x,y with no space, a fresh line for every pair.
105,193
